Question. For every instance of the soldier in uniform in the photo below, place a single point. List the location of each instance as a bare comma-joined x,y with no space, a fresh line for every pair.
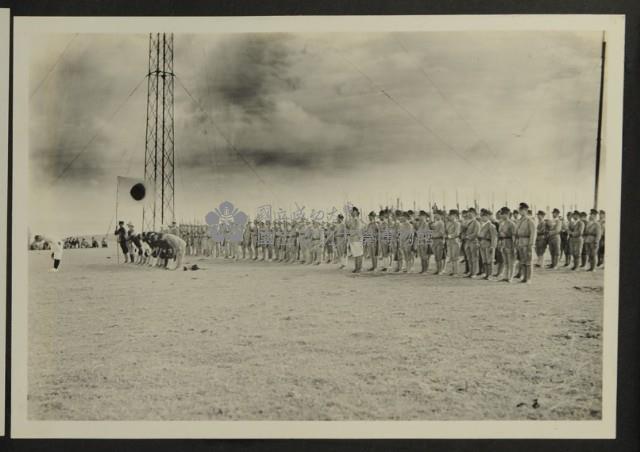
525,240
554,231
564,241
463,240
354,228
277,235
254,239
316,242
452,228
516,217
576,240
329,242
246,241
406,234
134,243
592,236
394,244
370,240
506,232
488,236
341,241
471,243
423,239
601,246
290,242
121,232
541,238
384,239
270,239
438,234
583,256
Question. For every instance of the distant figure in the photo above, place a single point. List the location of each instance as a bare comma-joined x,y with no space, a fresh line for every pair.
354,228
121,232
94,243
173,229
104,243
55,245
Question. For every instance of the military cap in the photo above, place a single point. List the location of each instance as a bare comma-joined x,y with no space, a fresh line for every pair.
555,210
541,212
422,213
486,212
398,213
355,209
471,210
453,212
601,211
594,211
410,212
583,214
372,214
523,205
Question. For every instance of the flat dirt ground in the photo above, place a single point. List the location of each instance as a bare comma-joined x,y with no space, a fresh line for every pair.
257,340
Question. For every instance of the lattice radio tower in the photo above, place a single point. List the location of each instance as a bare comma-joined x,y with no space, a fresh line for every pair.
159,142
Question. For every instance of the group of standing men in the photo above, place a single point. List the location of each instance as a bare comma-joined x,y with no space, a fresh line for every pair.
491,245
500,245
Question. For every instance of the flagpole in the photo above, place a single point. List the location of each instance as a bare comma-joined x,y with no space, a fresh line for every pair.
117,196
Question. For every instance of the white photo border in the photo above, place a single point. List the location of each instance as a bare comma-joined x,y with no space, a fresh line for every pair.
5,20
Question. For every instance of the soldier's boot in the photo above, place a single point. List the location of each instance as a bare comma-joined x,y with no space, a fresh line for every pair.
454,267
422,265
507,274
358,265
576,263
519,274
529,271
500,269
489,272
374,262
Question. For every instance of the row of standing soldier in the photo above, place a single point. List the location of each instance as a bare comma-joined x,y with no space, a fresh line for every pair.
392,240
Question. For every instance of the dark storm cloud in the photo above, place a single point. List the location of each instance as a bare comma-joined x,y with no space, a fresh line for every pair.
246,72
262,157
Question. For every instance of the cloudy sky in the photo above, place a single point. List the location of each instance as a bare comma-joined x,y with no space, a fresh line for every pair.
320,118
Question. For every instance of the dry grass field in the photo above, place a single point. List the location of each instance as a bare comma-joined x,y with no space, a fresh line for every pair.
253,340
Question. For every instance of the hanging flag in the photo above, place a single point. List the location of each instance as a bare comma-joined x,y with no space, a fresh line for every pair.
134,191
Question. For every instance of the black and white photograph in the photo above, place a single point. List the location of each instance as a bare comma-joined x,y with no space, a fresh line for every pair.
399,221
